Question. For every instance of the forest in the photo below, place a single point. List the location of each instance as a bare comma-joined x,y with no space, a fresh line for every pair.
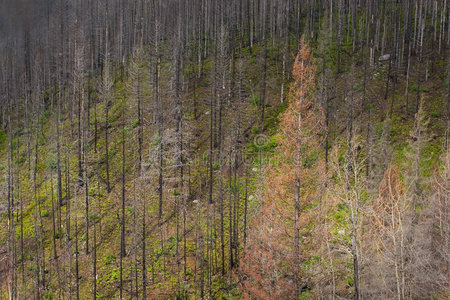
239,149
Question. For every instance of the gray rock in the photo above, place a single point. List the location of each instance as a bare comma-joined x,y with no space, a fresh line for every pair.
384,57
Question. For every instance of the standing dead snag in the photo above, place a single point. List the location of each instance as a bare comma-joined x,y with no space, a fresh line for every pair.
349,192
389,226
437,261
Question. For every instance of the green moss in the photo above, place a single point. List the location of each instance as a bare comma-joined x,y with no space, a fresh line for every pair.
58,234
304,295
435,114
20,160
430,157
113,276
414,88
52,163
3,139
254,99
310,160
358,87
109,259
134,123
350,281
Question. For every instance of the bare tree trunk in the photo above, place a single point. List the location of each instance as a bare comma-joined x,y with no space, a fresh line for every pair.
106,95
355,254
58,158
55,256
144,254
94,263
297,205
86,182
122,222
264,83
77,275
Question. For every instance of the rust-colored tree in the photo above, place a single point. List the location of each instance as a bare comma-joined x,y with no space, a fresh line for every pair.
280,235
408,248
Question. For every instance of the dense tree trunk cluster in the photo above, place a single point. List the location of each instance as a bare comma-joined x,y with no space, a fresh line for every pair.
140,154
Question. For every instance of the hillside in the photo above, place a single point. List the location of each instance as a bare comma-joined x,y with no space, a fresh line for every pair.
224,150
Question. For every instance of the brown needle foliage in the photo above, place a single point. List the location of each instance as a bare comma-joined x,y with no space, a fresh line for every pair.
281,233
